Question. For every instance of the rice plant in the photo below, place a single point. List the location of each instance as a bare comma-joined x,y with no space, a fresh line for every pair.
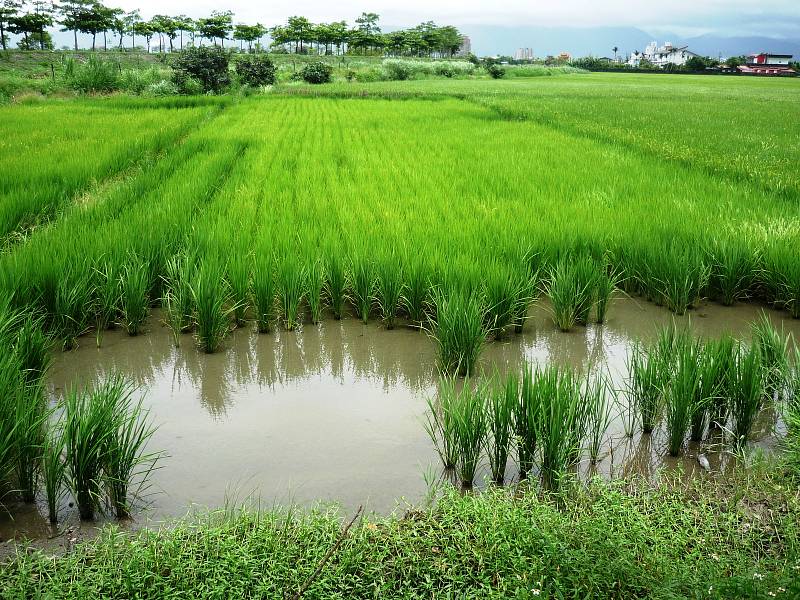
439,422
362,286
389,289
264,293
571,290
562,423
470,424
177,298
791,416
87,427
134,301
108,294
124,460
336,286
598,415
503,290
683,393
646,385
315,287
212,311
30,419
502,402
746,393
417,295
526,421
238,277
291,287
32,349
684,278
72,308
459,330
773,346
733,270
527,293
723,353
54,469
605,283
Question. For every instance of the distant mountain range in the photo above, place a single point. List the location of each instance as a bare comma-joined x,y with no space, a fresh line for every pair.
599,41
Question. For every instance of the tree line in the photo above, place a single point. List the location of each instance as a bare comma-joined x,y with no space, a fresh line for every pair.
299,35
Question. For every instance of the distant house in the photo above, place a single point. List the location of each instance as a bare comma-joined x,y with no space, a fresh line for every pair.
466,46
662,55
765,63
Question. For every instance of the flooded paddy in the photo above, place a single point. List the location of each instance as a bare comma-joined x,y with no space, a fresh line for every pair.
334,412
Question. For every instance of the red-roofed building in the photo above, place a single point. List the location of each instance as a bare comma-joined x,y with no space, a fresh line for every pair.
765,63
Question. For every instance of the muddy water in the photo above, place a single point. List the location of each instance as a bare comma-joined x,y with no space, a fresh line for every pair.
334,412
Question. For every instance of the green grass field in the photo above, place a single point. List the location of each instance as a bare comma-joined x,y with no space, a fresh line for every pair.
471,181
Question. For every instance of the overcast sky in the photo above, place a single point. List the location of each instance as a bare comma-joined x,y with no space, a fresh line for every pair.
774,18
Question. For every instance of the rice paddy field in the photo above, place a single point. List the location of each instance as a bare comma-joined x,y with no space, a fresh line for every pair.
367,294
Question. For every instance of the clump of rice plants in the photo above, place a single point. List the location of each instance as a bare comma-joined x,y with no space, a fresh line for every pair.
108,296
362,285
177,299
54,469
723,354
24,406
683,393
315,287
211,295
389,289
733,270
684,278
32,349
440,425
791,416
134,287
105,433
527,293
459,330
502,402
773,346
503,290
290,284
417,295
598,414
646,385
87,426
123,458
72,307
562,422
746,393
605,283
336,286
264,294
526,421
571,291
470,423
238,277
781,276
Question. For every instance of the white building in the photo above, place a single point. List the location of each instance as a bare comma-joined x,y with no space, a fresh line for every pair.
466,46
662,55
523,54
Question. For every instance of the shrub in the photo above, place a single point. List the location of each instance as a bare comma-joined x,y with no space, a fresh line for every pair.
95,75
496,71
208,65
256,71
317,72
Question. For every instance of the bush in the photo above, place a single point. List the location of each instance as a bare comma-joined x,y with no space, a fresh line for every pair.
496,71
317,72
207,65
256,71
136,81
95,75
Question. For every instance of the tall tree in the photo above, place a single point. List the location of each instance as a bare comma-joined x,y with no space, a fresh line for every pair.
129,21
218,25
185,25
9,9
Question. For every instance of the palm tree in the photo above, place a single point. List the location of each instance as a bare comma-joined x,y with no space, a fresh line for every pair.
615,50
